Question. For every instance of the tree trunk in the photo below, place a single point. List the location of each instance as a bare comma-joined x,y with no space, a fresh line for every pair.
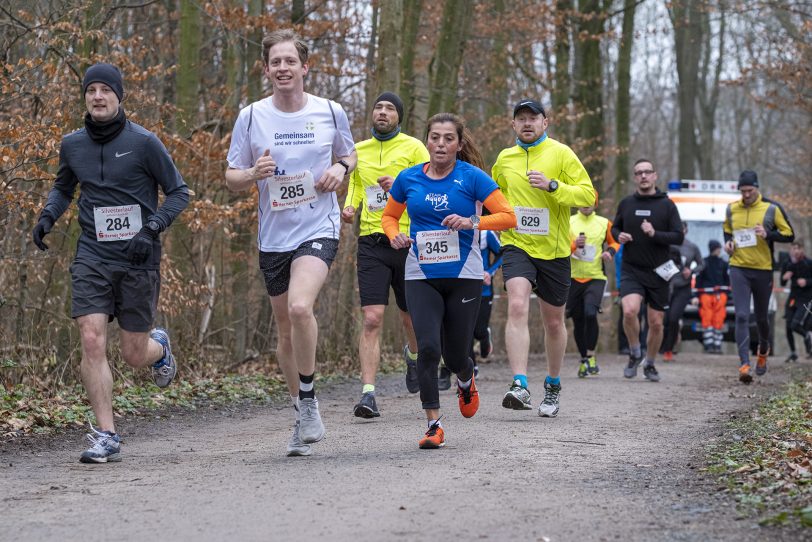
709,93
253,54
445,65
622,128
411,23
685,16
188,66
388,65
589,90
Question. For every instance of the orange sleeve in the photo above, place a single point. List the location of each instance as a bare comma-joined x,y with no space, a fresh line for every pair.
391,217
502,216
572,247
610,239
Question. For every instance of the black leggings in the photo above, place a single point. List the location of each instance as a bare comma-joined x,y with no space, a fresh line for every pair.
583,306
482,320
680,297
443,313
758,284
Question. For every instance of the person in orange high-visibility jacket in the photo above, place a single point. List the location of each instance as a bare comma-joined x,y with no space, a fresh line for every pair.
713,282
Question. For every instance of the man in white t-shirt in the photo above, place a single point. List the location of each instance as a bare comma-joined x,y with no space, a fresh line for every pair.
284,144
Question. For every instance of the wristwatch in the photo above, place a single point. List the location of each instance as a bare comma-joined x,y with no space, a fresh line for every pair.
475,221
154,227
553,186
346,166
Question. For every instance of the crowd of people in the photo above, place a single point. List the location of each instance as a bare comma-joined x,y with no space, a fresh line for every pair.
427,212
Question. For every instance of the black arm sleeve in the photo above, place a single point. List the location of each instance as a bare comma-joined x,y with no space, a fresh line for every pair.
674,235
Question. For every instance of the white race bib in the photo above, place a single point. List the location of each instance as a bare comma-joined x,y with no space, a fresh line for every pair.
667,270
376,198
532,220
586,254
745,238
438,246
117,223
289,191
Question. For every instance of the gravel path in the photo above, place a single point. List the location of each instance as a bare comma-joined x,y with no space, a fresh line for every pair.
621,462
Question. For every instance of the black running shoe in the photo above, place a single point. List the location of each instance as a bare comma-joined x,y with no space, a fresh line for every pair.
651,374
412,380
444,380
366,407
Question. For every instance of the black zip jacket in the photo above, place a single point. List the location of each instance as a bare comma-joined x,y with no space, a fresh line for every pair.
644,251
714,273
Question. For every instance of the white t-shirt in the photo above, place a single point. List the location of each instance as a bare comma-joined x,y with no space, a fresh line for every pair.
299,142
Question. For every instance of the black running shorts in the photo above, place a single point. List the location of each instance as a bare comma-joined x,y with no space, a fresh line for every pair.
380,267
275,266
645,282
128,295
550,278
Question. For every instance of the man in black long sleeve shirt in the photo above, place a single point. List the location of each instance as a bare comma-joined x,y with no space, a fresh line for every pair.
798,273
647,224
119,167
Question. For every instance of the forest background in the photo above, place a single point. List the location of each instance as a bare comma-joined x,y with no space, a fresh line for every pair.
704,88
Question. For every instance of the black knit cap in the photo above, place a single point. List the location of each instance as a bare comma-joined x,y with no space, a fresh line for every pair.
748,177
107,74
395,100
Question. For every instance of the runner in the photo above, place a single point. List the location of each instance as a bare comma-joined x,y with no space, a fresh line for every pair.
591,235
284,145
712,283
647,224
680,293
118,166
542,178
797,271
444,267
380,267
752,224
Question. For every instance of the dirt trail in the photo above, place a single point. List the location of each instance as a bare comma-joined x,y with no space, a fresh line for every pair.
619,463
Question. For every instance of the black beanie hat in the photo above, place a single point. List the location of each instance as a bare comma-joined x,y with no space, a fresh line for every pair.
713,244
395,100
107,74
748,177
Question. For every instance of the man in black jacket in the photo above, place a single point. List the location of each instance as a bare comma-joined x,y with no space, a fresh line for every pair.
118,166
647,224
797,271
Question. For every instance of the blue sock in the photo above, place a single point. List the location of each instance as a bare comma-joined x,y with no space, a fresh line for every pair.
522,380
554,381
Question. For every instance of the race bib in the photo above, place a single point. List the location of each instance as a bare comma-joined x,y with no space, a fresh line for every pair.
376,198
117,223
586,254
667,270
289,191
532,220
745,238
438,246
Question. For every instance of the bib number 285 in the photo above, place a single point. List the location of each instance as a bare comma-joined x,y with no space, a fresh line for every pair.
292,191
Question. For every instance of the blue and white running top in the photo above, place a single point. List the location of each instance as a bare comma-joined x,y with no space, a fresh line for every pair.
436,251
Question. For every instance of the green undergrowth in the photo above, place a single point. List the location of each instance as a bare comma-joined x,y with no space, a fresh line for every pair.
45,408
764,459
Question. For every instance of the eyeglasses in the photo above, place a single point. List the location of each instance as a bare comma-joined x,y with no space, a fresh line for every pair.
643,172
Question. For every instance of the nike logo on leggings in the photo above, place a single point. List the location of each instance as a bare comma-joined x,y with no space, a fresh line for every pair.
467,300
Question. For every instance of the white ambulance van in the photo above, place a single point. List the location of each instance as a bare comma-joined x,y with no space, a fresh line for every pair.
702,206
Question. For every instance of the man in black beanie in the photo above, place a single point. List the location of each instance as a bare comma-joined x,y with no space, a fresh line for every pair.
752,224
380,159
118,166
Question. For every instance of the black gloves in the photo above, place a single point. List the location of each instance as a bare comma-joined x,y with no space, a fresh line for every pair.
42,229
139,249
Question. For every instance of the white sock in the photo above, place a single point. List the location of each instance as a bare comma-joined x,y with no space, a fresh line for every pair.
464,384
432,422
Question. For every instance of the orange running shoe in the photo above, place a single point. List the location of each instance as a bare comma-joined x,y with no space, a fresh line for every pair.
434,438
668,356
744,373
468,399
761,362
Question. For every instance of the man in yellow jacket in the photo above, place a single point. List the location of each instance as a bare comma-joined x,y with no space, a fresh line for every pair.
752,225
592,246
380,158
542,179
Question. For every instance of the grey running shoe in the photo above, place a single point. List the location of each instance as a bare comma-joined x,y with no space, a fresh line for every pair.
165,369
517,397
444,380
549,406
412,380
311,429
583,368
792,357
366,407
105,447
295,445
650,372
630,371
